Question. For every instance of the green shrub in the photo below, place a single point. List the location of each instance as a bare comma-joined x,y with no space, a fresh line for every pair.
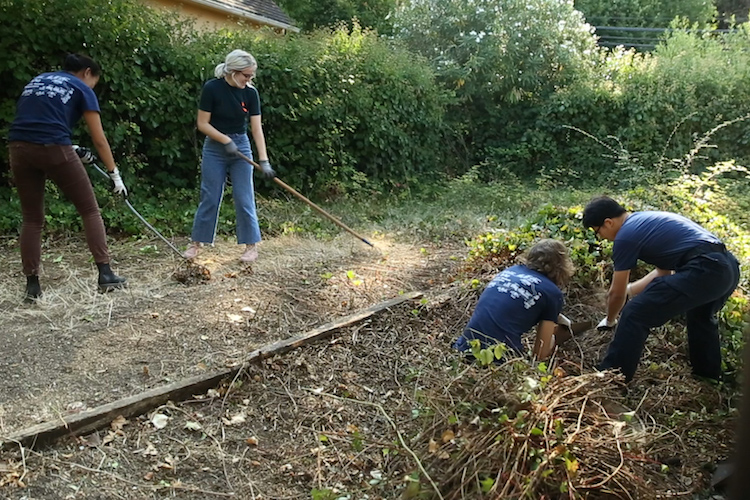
501,59
590,255
641,110
342,109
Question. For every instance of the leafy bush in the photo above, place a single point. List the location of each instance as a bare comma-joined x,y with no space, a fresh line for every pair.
311,14
591,256
501,59
342,109
641,110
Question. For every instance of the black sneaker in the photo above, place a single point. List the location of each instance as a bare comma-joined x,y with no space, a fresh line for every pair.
33,289
108,280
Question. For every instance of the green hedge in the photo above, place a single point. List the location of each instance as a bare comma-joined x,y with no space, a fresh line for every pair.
342,109
637,111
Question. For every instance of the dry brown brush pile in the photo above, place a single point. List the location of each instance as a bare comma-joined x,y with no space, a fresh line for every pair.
513,431
386,409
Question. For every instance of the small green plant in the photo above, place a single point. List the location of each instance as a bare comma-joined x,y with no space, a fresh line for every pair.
487,356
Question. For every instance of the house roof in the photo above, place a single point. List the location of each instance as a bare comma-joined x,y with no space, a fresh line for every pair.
261,11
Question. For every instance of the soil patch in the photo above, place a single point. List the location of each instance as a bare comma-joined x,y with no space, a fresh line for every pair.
77,348
383,409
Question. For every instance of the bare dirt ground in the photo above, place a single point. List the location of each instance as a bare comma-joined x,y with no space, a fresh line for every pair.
78,348
368,413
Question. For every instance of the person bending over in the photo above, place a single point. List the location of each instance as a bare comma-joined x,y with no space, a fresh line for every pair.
521,297
695,275
40,147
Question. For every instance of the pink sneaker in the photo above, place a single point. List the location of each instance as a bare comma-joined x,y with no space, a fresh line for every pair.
250,255
192,251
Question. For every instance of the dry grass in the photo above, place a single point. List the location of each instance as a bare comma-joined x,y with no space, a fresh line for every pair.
384,409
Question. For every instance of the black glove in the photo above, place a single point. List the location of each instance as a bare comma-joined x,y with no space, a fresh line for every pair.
84,154
268,171
231,148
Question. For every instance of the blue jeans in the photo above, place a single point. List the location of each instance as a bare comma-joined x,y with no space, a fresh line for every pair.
699,289
216,164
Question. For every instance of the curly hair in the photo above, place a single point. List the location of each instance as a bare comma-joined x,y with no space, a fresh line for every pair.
550,257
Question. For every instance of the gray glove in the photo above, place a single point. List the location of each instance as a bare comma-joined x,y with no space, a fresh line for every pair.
231,148
268,171
84,154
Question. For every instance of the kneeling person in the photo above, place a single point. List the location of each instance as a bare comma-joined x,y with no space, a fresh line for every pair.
521,297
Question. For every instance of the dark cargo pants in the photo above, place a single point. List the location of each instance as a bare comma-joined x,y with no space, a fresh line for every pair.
699,289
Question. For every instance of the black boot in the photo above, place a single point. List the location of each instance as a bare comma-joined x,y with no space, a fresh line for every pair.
33,289
108,280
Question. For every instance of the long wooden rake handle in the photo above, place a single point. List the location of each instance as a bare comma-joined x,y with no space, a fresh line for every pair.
309,203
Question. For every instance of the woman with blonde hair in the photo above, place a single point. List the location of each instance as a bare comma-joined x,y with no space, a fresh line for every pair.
521,297
228,102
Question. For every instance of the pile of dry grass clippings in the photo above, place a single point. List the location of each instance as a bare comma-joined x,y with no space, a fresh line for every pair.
516,431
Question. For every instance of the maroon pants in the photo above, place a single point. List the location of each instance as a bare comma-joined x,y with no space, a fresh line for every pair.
32,164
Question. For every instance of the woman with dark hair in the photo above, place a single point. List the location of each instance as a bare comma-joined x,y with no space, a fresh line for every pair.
521,297
40,147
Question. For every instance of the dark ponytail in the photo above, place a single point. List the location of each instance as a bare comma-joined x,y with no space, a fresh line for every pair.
77,62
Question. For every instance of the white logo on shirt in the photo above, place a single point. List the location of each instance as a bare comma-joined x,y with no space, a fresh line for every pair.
51,86
503,284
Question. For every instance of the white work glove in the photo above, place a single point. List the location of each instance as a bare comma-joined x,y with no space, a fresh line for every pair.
563,320
117,181
84,154
605,324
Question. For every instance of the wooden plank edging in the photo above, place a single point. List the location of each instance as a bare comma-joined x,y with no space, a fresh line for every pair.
96,418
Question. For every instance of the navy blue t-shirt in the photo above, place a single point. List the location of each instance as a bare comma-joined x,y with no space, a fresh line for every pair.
49,107
515,300
657,238
229,106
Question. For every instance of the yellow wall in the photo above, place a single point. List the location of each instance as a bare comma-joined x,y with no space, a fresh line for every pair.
205,17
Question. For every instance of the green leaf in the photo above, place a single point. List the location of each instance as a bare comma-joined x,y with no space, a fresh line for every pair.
487,483
500,350
486,357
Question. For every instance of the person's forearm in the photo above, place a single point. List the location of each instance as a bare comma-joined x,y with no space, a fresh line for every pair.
105,153
638,286
260,143
544,343
213,133
615,301
256,128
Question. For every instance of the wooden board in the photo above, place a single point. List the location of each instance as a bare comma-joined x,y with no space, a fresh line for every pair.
95,418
